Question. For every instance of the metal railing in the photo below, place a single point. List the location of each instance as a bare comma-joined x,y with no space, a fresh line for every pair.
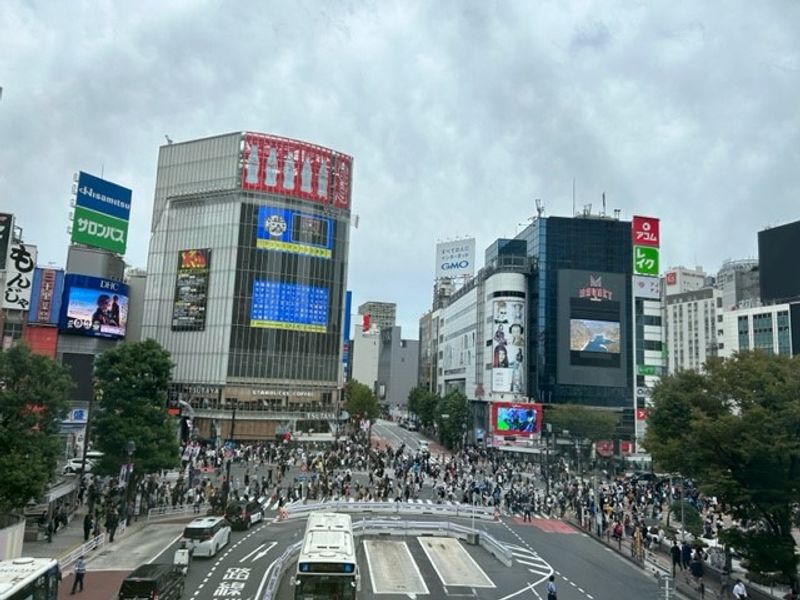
398,528
163,512
65,563
484,513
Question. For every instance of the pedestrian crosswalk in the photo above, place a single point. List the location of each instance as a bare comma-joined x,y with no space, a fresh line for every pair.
545,523
531,561
418,501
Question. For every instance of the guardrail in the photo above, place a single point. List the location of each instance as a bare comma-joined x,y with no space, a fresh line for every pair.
398,528
172,511
484,513
65,563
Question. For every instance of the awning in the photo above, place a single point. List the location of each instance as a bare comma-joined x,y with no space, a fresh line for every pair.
61,489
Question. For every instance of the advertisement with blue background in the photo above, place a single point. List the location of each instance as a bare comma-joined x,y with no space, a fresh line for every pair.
293,306
103,196
287,230
93,306
46,292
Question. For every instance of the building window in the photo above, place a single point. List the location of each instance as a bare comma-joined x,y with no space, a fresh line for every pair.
744,338
784,334
762,332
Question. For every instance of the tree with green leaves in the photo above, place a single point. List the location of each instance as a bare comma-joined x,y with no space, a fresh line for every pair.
453,418
359,401
425,407
583,422
735,430
131,389
34,396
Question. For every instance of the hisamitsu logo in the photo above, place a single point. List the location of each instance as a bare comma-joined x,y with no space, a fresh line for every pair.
595,290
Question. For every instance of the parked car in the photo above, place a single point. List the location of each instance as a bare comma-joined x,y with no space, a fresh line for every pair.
154,580
74,464
244,514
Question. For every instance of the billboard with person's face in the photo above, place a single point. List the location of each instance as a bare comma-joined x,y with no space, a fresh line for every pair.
94,306
508,344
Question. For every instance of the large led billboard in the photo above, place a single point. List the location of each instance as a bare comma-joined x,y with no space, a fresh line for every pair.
588,335
592,329
286,230
516,418
93,306
191,290
297,307
102,211
295,169
508,344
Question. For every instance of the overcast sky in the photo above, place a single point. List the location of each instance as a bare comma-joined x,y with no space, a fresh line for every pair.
458,114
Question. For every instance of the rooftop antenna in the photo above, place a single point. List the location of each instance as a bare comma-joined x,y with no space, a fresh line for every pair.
539,207
169,140
604,204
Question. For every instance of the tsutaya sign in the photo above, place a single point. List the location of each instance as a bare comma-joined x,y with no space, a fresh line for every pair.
595,291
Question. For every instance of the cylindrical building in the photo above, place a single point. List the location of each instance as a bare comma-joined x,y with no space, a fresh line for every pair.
246,281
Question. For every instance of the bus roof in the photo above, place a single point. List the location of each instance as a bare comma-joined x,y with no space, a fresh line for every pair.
329,538
18,572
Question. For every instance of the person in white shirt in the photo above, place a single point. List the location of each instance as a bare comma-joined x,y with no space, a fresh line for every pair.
739,591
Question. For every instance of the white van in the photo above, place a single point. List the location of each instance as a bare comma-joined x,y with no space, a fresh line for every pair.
207,535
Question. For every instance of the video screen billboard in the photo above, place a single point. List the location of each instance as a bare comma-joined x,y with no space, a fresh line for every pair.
779,269
508,344
593,313
296,169
516,418
191,290
587,335
287,230
278,305
93,306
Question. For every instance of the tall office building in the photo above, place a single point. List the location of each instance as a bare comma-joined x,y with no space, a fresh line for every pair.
778,265
739,284
678,280
380,315
693,323
246,280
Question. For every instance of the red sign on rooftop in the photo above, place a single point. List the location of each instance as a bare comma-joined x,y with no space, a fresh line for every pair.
645,231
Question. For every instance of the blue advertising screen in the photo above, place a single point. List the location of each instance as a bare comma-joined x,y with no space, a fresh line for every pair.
93,306
103,196
287,230
293,306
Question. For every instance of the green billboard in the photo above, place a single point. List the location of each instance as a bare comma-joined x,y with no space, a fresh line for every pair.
99,230
645,370
645,260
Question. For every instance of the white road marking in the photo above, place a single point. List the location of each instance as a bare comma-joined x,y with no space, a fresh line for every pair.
244,558
264,579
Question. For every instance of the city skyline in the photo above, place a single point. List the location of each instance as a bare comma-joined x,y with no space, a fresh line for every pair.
696,118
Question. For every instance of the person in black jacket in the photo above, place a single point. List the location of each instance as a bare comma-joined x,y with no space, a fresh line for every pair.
87,526
675,552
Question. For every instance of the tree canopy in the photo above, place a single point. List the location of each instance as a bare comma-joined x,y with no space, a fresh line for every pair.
424,405
583,422
131,387
360,401
34,395
453,417
735,430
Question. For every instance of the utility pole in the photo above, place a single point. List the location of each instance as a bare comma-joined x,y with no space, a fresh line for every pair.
235,402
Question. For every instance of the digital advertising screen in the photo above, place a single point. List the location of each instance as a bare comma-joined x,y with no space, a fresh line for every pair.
292,306
586,335
516,418
286,230
93,306
191,290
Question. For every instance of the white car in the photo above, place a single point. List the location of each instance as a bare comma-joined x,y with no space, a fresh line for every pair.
73,465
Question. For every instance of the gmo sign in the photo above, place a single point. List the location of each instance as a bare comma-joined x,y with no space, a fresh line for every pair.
461,264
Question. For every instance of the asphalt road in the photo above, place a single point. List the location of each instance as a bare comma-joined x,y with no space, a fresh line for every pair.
584,569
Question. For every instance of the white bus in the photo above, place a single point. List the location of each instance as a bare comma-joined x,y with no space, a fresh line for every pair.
29,579
327,567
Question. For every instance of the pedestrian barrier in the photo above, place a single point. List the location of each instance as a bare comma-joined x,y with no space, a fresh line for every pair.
485,513
398,528
65,563
163,512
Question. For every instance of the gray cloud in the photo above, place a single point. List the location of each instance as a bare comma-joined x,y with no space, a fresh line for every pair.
458,114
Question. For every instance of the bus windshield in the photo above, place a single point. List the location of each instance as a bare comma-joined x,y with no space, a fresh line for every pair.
325,587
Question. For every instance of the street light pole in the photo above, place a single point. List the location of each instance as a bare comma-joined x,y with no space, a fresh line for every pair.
227,489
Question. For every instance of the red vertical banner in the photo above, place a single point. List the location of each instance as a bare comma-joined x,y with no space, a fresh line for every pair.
365,323
645,231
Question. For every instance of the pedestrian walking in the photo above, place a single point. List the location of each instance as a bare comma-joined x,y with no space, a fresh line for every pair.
551,589
87,526
739,591
112,522
80,573
675,552
686,555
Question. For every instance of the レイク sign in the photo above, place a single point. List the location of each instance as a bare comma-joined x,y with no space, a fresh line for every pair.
645,231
